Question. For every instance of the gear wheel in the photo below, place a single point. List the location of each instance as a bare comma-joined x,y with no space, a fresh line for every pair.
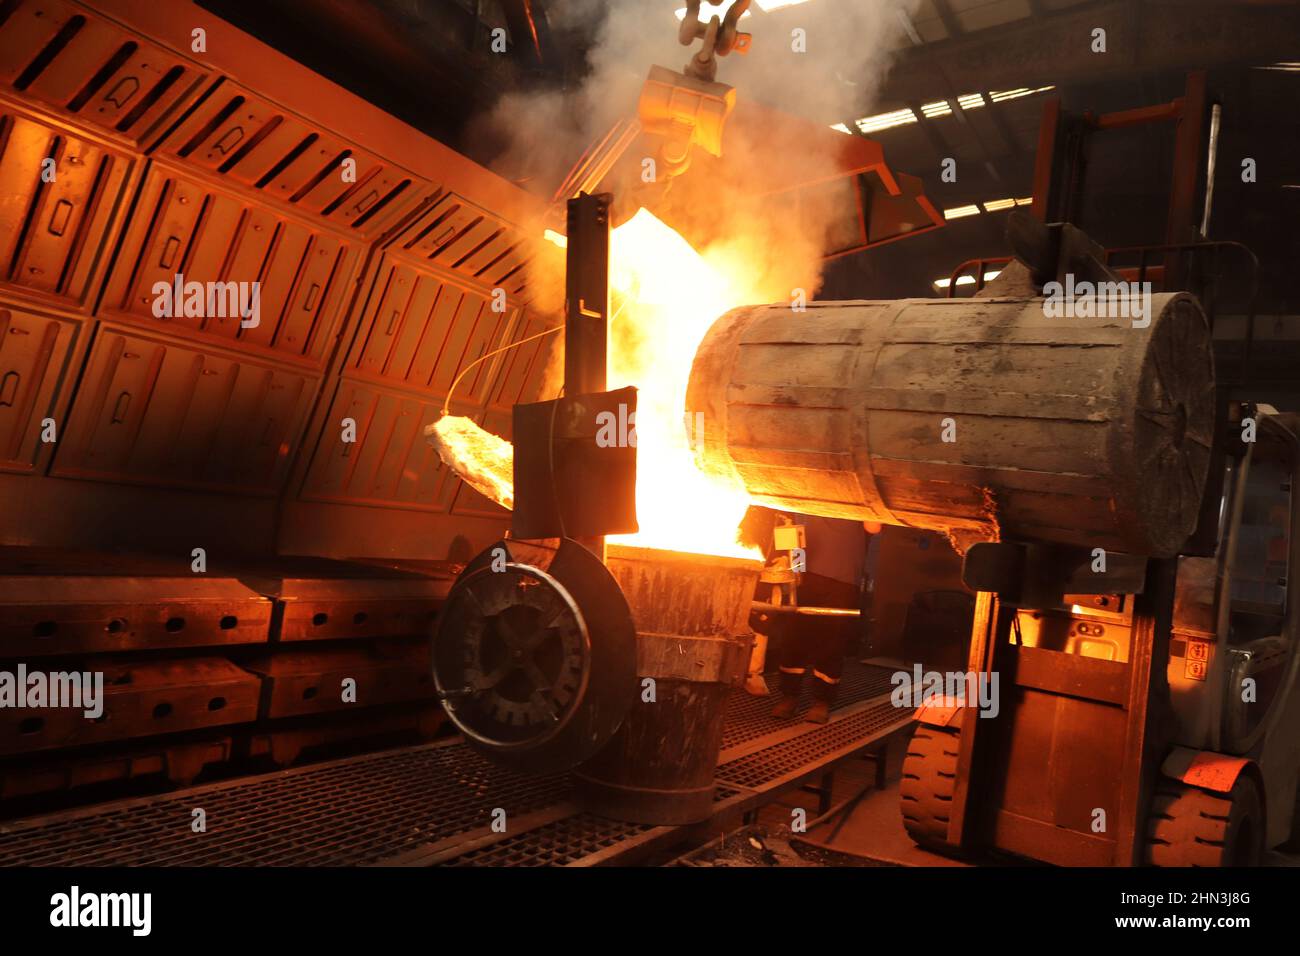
524,653
535,655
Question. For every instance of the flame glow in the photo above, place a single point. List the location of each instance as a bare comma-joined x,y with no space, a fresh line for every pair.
484,460
665,296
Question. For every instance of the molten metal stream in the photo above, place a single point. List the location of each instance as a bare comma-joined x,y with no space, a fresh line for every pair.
666,297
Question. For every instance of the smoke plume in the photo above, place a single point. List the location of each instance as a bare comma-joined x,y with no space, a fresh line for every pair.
731,231
821,61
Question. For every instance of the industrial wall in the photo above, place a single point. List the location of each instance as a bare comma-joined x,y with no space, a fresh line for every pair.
376,249
157,471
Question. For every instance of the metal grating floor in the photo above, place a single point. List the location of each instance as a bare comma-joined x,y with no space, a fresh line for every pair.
555,844
377,808
761,770
567,841
356,811
749,718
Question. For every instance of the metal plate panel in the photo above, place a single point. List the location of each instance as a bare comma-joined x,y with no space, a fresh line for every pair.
422,329
177,761
458,235
209,235
388,603
141,698
311,681
42,615
91,70
34,353
523,370
158,411
1059,760
241,136
56,220
390,462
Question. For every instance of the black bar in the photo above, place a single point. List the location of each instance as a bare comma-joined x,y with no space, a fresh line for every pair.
586,306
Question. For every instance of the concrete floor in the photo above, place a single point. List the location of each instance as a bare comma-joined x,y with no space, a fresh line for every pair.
873,828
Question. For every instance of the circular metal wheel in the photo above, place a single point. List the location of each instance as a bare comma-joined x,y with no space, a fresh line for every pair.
523,653
535,656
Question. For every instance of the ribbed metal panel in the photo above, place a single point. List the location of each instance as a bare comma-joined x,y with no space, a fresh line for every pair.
91,70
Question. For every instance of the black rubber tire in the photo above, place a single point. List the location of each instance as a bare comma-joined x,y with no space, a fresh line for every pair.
929,776
1189,826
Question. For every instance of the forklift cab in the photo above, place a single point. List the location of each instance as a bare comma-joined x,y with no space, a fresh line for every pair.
1234,661
1153,724
1241,596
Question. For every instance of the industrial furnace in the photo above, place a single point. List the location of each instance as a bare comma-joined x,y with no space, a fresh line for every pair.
768,433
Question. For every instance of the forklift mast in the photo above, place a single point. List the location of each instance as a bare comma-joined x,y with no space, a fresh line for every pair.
1113,703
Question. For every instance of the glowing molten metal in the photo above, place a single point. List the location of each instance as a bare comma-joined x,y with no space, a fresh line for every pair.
665,296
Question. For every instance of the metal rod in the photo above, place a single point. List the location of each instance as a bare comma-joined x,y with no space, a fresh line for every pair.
1211,163
805,610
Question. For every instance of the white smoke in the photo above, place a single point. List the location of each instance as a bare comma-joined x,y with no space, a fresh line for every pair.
820,61
823,60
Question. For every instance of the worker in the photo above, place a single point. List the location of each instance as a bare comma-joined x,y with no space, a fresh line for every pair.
831,574
775,584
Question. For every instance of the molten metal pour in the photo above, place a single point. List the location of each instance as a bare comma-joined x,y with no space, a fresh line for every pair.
481,458
666,296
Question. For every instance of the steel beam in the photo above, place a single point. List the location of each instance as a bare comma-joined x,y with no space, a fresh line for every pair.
1150,37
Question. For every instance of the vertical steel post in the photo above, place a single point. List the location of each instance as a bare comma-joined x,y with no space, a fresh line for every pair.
1185,179
586,304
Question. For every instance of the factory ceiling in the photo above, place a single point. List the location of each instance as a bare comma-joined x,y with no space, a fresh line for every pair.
429,61
968,82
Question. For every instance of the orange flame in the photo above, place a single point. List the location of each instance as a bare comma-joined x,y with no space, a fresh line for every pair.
665,296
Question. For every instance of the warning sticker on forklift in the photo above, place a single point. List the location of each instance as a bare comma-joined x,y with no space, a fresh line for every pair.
1197,664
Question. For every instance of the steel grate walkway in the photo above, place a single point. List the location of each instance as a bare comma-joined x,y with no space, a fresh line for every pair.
771,765
583,838
354,811
749,718
555,844
430,803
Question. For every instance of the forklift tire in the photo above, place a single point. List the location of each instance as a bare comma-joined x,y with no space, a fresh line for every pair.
1189,826
929,776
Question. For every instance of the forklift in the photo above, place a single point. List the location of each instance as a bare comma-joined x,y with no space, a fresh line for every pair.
1150,725
1150,707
